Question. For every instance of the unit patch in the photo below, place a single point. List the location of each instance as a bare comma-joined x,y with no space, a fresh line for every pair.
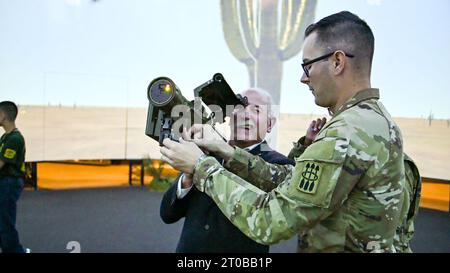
310,177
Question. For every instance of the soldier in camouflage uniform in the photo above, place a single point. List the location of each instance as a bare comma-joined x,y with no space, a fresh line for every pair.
411,199
345,193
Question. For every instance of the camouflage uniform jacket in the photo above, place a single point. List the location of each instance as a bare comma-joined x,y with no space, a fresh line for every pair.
345,191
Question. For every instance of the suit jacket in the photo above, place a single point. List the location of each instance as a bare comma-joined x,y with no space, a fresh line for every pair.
205,228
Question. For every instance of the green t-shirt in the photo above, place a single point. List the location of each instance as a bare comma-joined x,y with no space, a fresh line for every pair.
12,152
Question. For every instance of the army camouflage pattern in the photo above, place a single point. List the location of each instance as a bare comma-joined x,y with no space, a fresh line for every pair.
298,148
410,208
343,195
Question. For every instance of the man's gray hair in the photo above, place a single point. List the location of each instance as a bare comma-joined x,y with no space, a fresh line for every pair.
264,93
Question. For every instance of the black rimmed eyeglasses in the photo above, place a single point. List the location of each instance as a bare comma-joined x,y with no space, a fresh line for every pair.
323,57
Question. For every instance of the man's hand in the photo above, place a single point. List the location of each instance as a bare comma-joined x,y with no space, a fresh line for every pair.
182,156
209,140
314,127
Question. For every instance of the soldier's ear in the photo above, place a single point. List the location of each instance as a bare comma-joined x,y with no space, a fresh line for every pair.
2,117
339,62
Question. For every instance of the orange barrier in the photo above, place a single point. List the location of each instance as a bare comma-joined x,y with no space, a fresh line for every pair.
435,194
59,176
75,175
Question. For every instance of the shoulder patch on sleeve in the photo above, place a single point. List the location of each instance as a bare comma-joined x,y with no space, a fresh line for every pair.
317,171
9,153
310,177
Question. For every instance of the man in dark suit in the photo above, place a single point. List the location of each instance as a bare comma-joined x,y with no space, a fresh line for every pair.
205,228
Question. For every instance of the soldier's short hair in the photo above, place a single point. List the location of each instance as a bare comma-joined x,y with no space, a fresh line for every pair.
346,31
9,108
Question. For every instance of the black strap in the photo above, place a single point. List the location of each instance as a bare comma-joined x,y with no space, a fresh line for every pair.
412,205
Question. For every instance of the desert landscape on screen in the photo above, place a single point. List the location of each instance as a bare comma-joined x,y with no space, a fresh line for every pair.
65,133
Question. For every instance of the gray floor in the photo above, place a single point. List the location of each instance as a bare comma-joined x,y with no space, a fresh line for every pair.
127,220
